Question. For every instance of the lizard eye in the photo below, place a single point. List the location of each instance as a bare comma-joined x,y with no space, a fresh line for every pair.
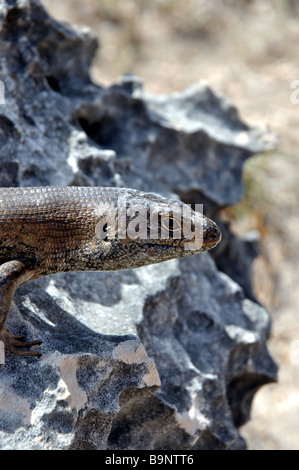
171,224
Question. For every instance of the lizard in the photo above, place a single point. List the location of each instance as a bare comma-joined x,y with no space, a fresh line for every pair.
46,230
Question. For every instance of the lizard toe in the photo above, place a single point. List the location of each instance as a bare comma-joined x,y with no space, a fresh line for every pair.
13,342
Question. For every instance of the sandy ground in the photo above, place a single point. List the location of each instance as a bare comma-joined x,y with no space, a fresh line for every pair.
246,50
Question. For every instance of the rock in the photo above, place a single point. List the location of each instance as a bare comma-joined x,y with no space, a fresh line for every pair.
167,356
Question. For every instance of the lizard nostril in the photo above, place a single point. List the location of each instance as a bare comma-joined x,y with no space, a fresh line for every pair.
212,233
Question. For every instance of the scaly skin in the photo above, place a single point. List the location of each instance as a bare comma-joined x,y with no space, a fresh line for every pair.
57,229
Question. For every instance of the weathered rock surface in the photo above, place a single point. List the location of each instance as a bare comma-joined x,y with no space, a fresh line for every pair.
167,356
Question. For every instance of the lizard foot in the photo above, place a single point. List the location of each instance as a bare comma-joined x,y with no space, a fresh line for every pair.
13,342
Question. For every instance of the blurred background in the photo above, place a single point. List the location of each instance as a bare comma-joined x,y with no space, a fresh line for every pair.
246,50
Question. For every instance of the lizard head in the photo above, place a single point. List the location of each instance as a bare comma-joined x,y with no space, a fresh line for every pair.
143,228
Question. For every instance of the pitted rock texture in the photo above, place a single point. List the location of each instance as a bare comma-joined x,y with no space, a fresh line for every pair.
163,357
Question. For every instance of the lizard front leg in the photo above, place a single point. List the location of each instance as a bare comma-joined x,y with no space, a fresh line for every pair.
12,275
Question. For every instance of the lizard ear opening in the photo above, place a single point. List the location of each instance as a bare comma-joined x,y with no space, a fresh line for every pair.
102,231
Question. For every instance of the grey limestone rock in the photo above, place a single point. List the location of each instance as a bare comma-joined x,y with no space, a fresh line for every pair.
167,356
